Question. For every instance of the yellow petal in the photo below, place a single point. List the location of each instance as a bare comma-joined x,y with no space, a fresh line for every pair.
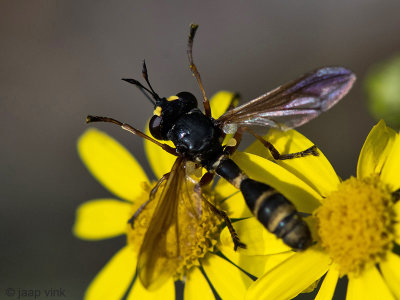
220,102
301,194
328,285
256,265
391,169
291,277
224,189
113,280
228,280
101,219
391,273
375,150
197,287
232,201
165,291
257,239
111,164
368,286
160,160
316,171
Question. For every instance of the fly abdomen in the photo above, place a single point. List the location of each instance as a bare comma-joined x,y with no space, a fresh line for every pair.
272,209
229,170
276,213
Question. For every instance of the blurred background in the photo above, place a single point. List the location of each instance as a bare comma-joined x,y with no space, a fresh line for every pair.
61,60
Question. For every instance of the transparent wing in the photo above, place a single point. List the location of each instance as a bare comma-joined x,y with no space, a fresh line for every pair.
173,226
294,103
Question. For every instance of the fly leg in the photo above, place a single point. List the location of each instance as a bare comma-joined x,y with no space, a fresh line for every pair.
235,238
127,127
206,179
151,197
313,150
193,68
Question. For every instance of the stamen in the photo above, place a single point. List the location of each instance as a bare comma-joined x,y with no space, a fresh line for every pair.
197,236
356,224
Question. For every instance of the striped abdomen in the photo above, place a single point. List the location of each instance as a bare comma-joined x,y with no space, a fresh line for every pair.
272,209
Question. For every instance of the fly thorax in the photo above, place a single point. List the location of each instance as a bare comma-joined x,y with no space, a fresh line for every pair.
195,136
167,111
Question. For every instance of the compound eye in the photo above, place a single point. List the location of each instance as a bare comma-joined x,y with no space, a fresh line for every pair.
155,127
188,98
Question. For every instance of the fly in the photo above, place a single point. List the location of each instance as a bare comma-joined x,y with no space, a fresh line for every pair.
198,137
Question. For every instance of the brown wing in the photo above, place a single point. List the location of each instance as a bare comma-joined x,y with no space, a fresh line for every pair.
294,103
160,254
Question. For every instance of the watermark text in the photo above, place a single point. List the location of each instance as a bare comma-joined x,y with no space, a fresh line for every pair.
21,293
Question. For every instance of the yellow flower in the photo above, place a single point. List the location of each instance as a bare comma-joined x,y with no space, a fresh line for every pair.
355,222
213,261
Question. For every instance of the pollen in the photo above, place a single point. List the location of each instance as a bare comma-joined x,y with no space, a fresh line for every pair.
193,233
356,224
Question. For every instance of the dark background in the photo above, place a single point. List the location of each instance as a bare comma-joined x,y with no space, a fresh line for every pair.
60,60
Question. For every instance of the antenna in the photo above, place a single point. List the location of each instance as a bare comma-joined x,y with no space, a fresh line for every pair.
142,88
146,77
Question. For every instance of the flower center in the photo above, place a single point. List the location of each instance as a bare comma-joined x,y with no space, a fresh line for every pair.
356,224
198,229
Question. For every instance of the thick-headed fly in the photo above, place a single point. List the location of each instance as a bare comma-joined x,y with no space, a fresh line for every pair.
198,139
